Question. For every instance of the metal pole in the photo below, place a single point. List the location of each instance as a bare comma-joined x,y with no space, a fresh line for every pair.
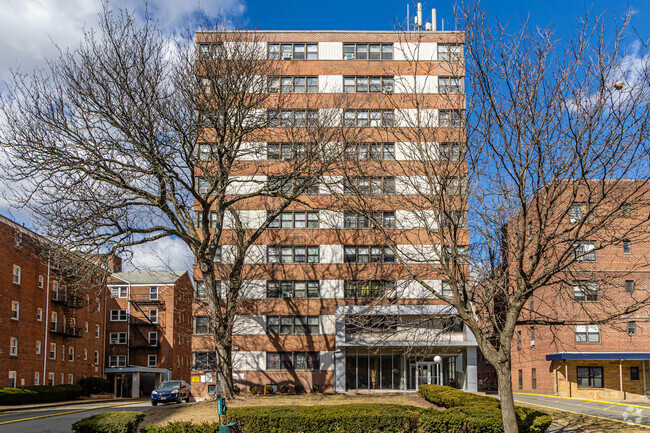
45,349
645,394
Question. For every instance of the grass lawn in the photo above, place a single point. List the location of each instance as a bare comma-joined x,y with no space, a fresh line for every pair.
201,412
207,411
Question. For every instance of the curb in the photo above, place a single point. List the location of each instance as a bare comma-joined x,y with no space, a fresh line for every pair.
60,403
67,413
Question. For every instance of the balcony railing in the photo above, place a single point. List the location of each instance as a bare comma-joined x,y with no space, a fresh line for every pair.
66,331
146,299
67,299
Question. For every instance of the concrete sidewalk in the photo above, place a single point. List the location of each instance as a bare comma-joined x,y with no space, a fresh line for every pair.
67,403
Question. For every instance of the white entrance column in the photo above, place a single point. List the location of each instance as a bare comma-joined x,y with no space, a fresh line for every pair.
472,373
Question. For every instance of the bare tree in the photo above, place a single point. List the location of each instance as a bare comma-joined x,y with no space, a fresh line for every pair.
135,136
514,191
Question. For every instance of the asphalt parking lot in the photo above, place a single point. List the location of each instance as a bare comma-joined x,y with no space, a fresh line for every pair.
632,413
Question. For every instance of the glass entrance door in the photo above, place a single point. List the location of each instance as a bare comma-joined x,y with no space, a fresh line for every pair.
426,373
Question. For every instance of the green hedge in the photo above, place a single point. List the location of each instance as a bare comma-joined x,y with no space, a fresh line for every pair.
109,422
95,385
39,394
470,413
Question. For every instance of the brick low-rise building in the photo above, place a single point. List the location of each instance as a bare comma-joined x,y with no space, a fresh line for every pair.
50,309
148,330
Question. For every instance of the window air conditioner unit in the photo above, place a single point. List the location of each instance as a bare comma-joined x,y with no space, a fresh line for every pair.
286,57
349,56
286,295
532,343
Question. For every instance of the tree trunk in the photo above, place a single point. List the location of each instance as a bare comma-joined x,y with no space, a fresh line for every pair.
224,367
507,399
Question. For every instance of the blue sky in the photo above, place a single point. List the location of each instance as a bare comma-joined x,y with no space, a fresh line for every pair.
381,15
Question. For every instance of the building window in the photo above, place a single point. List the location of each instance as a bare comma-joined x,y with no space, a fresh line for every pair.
15,310
631,328
284,151
293,84
153,339
634,373
450,52
368,289
16,275
293,51
202,325
368,84
521,379
288,325
86,326
153,315
519,341
38,347
52,350
293,361
353,220
291,185
200,292
587,334
368,118
152,361
209,51
533,377
96,357
292,289
585,291
449,151
117,338
119,292
118,315
153,293
450,85
451,118
18,239
51,379
117,361
293,254
55,290
203,185
369,185
41,281
96,331
70,379
85,354
590,377
532,336
626,210
629,286
37,378
627,247
295,220
70,354
292,118
370,151
206,361
367,254
584,252
352,51
13,346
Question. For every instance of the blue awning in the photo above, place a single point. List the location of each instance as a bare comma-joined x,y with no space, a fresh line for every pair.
598,356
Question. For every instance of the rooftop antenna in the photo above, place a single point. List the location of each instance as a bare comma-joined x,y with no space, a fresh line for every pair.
433,20
408,18
419,17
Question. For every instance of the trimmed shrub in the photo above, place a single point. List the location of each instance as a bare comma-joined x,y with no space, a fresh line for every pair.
299,389
39,394
95,385
283,389
181,427
253,389
109,422
349,418
470,413
236,389
268,390
315,388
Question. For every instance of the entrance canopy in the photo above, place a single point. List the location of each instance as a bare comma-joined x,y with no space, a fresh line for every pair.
585,356
134,369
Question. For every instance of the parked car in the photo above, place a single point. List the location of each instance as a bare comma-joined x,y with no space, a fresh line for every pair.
171,391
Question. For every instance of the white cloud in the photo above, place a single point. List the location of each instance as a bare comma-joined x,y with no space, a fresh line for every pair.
162,255
29,29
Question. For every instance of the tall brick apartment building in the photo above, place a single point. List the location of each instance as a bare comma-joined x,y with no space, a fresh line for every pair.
148,330
603,361
53,323
322,267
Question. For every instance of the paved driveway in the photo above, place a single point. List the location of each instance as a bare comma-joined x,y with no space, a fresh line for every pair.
629,413
58,419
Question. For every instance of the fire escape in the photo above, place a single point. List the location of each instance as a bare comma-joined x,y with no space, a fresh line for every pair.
66,326
141,324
